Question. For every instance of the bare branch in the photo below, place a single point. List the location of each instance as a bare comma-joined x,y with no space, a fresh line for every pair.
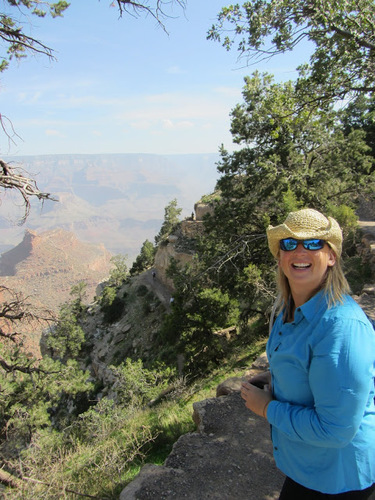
6,124
12,178
157,13
16,310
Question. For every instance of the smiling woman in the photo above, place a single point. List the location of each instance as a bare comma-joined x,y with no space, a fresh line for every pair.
321,353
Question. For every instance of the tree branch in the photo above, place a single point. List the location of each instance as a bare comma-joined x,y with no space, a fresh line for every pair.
349,36
157,13
11,368
12,178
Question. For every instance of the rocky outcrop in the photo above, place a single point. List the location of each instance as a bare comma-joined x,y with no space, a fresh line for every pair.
142,302
165,253
191,228
180,245
202,209
229,457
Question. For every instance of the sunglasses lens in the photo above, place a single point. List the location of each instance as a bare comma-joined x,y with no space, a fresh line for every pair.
288,244
313,244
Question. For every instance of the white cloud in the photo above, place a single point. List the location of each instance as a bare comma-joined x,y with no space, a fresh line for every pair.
53,133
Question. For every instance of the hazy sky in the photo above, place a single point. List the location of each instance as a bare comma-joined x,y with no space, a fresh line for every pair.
125,86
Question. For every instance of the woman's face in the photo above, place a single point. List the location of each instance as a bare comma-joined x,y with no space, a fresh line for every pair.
305,269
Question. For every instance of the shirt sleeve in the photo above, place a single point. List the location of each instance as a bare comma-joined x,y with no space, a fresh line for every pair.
341,377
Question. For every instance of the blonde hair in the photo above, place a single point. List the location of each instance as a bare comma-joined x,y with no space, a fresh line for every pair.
334,284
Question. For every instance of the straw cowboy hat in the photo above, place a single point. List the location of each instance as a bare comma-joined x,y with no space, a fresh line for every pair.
305,224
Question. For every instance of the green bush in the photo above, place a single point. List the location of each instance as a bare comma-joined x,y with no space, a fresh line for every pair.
135,385
111,305
65,340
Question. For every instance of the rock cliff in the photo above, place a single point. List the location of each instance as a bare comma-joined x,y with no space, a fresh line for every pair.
180,245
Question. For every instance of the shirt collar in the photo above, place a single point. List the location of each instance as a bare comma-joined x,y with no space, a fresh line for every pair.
314,307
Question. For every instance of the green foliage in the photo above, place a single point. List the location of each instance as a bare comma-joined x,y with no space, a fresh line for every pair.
111,304
341,32
12,33
91,457
290,202
203,347
192,326
359,114
79,294
66,338
171,219
211,198
149,303
357,273
135,385
145,259
345,216
119,273
102,450
29,399
289,158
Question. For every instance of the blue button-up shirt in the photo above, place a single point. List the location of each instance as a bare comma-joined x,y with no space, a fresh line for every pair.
323,415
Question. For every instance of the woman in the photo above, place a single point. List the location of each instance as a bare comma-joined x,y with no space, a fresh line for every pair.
321,353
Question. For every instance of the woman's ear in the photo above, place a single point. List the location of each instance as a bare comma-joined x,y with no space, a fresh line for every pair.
331,258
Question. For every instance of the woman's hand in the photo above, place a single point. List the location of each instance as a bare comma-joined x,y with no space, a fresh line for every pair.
261,379
256,399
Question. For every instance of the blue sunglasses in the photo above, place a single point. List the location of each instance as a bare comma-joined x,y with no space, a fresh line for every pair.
289,244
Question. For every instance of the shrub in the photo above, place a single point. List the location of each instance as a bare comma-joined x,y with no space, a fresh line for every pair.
111,305
65,340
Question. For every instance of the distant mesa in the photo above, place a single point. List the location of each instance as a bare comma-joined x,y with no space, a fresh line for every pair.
45,266
10,259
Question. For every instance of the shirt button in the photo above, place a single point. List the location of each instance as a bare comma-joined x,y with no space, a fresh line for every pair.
275,448
280,333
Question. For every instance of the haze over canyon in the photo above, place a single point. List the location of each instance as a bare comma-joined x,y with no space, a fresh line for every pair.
116,200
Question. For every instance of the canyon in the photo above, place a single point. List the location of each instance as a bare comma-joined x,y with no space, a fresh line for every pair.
116,200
